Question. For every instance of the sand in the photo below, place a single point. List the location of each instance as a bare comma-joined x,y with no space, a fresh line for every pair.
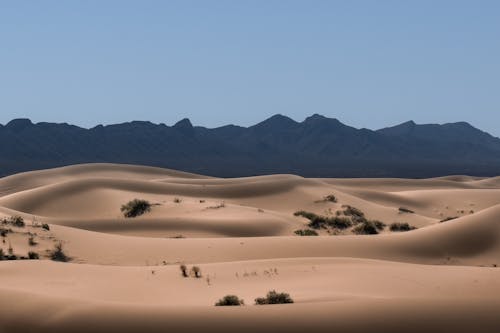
124,273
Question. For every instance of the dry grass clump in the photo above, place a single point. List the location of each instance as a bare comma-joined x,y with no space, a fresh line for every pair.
368,228
230,300
405,210
135,208
16,221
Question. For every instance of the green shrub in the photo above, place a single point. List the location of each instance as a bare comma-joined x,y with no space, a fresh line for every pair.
230,300
33,255
405,210
58,253
306,232
135,208
401,226
274,297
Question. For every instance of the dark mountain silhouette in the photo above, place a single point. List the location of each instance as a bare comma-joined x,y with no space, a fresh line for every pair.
316,147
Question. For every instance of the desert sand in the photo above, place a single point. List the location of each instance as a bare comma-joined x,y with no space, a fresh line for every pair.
123,274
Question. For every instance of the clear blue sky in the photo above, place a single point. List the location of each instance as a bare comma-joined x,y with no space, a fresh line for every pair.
368,63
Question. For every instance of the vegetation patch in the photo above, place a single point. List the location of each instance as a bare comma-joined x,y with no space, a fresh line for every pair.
16,221
274,297
135,208
58,253
306,232
401,226
230,300
368,228
449,218
33,255
405,210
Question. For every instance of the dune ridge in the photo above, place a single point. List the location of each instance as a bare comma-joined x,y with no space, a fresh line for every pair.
124,272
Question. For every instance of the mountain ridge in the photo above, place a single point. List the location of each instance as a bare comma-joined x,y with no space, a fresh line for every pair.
316,147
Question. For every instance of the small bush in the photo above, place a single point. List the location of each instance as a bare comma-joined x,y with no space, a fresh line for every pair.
330,198
177,200
135,208
401,226
33,255
339,222
58,253
306,232
183,269
405,210
368,228
274,297
17,221
32,241
196,271
230,300
2,254
307,215
45,226
4,232
449,219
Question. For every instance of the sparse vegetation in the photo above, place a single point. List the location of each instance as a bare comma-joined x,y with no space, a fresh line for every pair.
449,218
401,226
4,232
32,241
58,253
368,228
196,271
135,208
177,200
405,210
357,216
33,255
230,300
330,198
45,226
2,254
274,297
221,205
16,221
183,269
306,232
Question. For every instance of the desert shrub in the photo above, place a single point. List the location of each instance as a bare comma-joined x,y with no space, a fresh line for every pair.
32,241
449,218
274,297
135,208
307,215
339,222
330,198
58,253
357,216
33,255
4,232
17,221
177,200
401,226
368,228
183,269
306,232
45,226
196,271
405,210
2,254
230,300
221,205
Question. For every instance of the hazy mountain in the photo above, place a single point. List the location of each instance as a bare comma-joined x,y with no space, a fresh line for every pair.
318,146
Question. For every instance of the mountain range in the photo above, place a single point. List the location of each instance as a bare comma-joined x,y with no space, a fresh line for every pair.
317,147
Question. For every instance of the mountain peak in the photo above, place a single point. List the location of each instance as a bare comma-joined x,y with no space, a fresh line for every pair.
278,121
184,126
19,124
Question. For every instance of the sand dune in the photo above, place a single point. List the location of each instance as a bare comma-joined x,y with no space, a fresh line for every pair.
124,272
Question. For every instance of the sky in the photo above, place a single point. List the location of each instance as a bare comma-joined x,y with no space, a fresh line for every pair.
368,63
